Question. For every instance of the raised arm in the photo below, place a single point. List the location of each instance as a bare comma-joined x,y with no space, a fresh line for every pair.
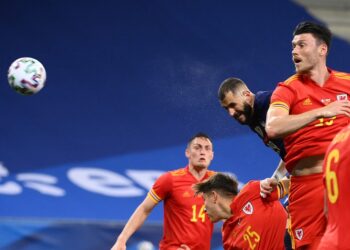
280,171
272,189
134,223
279,123
267,185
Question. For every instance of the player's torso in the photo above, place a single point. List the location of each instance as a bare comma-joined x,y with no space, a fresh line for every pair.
314,138
184,218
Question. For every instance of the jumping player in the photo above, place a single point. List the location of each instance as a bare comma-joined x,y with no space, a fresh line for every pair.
307,110
250,109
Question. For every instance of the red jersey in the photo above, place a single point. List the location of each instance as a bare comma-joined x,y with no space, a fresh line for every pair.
298,95
336,178
185,221
256,223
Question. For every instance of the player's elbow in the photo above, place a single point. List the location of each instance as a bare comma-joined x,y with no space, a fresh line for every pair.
272,131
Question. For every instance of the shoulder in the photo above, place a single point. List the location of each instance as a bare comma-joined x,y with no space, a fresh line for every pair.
169,176
250,185
341,75
291,81
211,173
249,191
263,96
178,172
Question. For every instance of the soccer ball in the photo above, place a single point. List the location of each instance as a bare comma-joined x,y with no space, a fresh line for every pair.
145,245
26,76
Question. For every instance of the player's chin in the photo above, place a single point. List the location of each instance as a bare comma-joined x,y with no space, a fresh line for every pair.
202,164
299,69
242,120
213,219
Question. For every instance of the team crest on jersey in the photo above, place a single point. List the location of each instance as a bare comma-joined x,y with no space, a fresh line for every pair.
342,97
248,208
299,233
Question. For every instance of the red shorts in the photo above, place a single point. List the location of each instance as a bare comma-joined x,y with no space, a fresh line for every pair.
306,208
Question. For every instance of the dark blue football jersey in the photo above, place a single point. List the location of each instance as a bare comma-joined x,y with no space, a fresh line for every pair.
257,124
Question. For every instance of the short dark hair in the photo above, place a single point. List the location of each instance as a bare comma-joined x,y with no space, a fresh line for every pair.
319,31
230,84
198,135
221,183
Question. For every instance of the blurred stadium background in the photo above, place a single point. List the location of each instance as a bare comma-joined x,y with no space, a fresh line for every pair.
129,82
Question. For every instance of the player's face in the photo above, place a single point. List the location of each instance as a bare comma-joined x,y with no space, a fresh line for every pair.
211,207
237,107
200,152
307,53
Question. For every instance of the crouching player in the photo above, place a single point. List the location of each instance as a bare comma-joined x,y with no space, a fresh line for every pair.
250,221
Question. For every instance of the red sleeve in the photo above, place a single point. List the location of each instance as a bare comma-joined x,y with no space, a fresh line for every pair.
282,96
274,196
161,188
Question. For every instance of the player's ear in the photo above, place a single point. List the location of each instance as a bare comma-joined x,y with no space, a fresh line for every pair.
323,49
246,93
248,96
187,153
215,196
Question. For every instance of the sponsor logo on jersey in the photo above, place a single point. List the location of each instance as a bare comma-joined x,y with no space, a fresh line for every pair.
248,208
342,97
326,101
307,102
299,233
186,194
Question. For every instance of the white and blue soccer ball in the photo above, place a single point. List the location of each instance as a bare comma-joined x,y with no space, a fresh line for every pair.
145,245
26,76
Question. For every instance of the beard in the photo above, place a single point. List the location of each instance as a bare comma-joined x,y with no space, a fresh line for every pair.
248,114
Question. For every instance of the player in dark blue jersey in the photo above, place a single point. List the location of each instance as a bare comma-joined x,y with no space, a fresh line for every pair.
250,109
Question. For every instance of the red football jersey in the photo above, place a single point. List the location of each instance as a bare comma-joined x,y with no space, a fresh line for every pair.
185,221
336,178
256,223
298,95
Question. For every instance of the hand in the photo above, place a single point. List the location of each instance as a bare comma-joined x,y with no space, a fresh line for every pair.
336,108
267,186
184,246
118,245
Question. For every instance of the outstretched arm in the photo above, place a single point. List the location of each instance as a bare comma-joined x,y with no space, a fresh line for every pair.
279,123
134,223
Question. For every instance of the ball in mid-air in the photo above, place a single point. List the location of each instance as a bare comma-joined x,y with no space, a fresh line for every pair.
26,76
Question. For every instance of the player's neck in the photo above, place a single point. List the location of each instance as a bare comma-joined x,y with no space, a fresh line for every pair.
319,75
197,172
226,208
